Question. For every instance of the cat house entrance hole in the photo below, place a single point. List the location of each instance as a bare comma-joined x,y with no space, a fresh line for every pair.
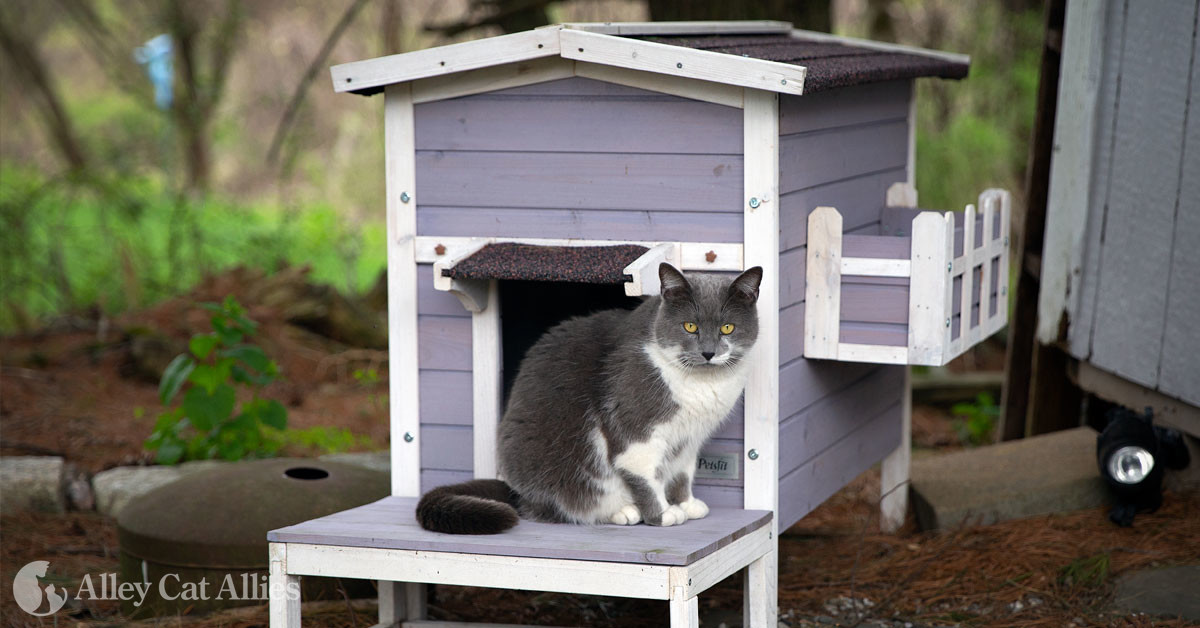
529,308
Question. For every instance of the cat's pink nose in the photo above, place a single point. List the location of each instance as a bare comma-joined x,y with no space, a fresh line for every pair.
707,355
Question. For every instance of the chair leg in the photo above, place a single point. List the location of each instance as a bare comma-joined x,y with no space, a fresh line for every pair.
283,589
685,611
760,589
400,601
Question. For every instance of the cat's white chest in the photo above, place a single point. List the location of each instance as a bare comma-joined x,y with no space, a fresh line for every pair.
704,397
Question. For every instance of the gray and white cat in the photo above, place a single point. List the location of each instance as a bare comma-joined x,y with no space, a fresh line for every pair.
608,413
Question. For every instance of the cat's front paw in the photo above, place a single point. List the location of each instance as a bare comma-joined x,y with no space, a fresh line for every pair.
627,516
694,508
673,516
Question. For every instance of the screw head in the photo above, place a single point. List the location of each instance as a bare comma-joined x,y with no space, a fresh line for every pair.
408,437
754,202
783,82
1005,240
947,322
752,454
949,266
404,197
1003,291
679,65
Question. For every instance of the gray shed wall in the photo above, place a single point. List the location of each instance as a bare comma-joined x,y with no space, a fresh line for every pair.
585,159
1138,308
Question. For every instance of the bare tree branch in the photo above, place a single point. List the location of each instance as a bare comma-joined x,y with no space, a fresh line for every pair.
297,99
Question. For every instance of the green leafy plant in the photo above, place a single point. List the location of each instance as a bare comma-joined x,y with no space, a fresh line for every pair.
208,421
1086,571
979,419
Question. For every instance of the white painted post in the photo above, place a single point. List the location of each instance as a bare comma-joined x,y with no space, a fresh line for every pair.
486,381
760,130
391,603
823,284
901,194
927,292
283,590
403,391
685,611
1003,242
895,473
988,204
948,348
968,280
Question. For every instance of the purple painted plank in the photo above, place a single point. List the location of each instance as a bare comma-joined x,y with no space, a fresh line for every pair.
586,224
446,397
868,303
813,482
858,199
444,342
577,87
844,107
791,333
804,382
720,496
831,419
688,183
433,478
811,159
446,447
792,263
897,221
594,125
878,247
887,334
390,523
433,301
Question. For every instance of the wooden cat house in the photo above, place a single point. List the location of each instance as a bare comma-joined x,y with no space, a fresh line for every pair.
545,174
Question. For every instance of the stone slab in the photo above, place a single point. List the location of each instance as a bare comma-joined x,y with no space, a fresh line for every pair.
1166,592
374,460
1023,478
32,483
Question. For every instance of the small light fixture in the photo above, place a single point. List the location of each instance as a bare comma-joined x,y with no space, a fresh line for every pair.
1133,455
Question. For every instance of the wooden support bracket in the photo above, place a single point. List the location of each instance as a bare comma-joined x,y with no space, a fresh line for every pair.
472,293
644,270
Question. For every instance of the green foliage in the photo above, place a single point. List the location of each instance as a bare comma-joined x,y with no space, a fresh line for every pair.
320,439
123,243
204,424
1088,571
978,423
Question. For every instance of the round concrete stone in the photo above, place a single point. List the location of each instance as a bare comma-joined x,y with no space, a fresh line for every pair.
211,526
32,483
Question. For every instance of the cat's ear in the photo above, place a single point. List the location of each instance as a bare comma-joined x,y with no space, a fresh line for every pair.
674,286
745,287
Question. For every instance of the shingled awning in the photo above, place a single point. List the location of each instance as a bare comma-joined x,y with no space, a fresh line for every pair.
527,262
830,64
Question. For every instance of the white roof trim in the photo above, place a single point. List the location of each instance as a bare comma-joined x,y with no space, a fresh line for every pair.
953,57
602,44
682,28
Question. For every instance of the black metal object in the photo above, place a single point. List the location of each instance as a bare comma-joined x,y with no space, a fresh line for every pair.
1128,445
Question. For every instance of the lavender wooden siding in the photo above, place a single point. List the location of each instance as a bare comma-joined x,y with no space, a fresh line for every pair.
841,149
578,158
444,347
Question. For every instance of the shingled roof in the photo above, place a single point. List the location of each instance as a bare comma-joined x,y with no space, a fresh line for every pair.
830,64
768,56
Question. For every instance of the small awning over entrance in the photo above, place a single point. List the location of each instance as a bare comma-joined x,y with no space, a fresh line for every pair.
528,262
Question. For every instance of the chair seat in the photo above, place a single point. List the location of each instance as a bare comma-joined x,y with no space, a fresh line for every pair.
390,523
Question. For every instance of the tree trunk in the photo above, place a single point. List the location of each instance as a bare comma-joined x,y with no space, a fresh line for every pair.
807,14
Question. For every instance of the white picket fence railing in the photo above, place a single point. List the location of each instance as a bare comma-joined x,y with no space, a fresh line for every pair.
938,282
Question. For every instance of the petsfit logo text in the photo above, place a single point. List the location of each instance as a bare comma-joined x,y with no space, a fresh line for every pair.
42,600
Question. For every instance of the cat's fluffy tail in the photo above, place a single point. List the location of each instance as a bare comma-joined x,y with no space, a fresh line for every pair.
475,507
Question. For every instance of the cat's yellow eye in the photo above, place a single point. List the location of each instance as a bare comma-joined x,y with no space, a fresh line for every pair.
727,328
690,327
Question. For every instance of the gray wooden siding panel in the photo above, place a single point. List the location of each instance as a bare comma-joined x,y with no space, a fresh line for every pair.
814,481
1131,304
1085,287
804,382
810,159
572,223
444,342
828,421
446,397
687,183
433,301
433,478
577,87
572,124
446,447
844,107
859,200
1179,373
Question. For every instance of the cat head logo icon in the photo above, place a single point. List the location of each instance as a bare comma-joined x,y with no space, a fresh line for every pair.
28,591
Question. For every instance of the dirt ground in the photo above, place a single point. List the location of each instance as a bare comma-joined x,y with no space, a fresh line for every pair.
62,393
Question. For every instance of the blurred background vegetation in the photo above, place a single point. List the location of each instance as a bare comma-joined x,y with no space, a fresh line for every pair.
108,203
